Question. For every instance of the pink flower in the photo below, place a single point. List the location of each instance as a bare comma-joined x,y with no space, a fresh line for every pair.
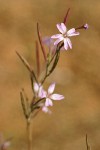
64,36
50,96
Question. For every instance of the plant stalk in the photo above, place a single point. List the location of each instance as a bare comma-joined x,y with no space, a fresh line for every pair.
29,134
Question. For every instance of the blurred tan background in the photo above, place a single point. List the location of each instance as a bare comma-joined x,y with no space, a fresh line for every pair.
77,74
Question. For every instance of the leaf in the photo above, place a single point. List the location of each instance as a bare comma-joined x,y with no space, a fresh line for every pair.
27,65
41,43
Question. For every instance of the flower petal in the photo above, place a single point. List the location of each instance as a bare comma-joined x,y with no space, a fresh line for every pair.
63,27
36,87
69,43
51,88
46,109
57,97
59,26
65,43
42,93
56,36
58,40
72,32
48,102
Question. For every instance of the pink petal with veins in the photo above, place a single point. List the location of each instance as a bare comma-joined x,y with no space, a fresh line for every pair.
60,28
65,43
63,27
72,32
56,36
42,93
48,102
57,97
51,88
69,43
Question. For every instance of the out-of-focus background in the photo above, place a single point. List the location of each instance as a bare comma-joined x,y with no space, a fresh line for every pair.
77,74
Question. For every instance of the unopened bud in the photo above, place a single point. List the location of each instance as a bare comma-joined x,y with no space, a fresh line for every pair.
86,26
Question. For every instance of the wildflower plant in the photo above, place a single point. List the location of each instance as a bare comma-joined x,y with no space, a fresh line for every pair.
43,99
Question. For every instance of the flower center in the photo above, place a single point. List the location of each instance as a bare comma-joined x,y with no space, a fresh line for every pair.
65,35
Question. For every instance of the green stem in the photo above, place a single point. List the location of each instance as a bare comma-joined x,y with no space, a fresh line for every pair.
55,58
29,134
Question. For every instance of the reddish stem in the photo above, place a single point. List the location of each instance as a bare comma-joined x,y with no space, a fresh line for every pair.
66,16
37,58
41,43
